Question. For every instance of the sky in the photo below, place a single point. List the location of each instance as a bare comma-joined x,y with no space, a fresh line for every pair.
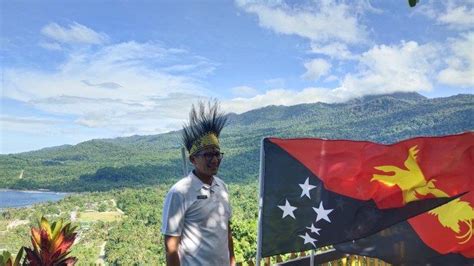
75,70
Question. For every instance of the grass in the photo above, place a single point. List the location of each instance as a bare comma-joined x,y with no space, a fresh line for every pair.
3,225
95,216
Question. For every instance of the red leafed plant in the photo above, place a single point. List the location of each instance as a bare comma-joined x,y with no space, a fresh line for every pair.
51,243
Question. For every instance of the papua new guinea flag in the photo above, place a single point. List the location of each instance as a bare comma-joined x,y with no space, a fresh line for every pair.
442,236
400,244
319,192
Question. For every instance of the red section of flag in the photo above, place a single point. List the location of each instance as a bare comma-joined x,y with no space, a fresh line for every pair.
441,238
347,167
445,240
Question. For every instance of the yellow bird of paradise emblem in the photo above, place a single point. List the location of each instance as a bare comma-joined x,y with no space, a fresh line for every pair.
413,183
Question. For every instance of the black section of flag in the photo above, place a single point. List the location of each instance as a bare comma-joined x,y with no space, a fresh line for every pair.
349,218
399,244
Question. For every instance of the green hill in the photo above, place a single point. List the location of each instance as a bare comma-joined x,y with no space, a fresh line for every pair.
136,161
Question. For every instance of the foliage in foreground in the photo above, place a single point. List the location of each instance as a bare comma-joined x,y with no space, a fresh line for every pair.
51,244
6,258
135,237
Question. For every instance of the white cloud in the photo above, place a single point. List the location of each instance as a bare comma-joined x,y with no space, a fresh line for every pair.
282,97
455,14
275,83
156,115
54,46
330,27
118,117
458,17
134,66
460,64
323,22
25,133
316,68
30,124
106,85
331,78
406,67
28,120
244,91
334,50
124,87
75,33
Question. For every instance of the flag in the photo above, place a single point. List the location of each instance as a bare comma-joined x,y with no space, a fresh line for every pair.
401,245
319,192
442,236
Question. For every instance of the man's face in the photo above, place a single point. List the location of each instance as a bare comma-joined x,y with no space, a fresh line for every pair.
207,161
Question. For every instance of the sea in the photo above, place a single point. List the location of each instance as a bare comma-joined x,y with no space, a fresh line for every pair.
20,198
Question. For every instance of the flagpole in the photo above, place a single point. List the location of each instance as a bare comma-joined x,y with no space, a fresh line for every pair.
185,165
311,259
260,205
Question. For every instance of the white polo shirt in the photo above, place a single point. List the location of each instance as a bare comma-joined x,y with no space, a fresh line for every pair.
199,214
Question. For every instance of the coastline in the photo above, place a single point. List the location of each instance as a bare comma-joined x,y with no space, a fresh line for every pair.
34,191
11,198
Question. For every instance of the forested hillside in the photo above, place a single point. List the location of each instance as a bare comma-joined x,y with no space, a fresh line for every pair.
139,161
124,224
121,225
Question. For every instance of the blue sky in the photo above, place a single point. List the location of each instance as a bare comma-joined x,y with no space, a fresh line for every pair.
78,70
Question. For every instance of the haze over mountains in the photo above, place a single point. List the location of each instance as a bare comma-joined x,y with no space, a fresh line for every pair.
103,164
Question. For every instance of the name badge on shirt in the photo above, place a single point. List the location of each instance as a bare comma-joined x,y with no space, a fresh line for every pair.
202,197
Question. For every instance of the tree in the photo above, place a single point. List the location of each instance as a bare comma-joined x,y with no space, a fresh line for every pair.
413,3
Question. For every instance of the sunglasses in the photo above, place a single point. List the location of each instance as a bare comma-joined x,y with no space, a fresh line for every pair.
210,155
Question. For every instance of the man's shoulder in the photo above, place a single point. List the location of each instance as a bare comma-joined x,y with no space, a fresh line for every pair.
182,186
220,182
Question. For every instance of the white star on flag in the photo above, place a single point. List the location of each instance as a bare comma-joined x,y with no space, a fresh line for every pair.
322,213
306,187
314,229
308,239
287,210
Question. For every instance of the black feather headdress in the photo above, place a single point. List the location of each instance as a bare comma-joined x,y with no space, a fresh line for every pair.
204,127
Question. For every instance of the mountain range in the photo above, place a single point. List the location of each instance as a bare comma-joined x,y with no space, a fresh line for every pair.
103,164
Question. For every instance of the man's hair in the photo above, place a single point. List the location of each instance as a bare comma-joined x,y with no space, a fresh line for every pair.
203,122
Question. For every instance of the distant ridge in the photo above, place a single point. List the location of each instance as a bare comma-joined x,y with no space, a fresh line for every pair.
146,160
260,113
403,96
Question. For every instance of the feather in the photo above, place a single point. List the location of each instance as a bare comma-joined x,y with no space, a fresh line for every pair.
203,121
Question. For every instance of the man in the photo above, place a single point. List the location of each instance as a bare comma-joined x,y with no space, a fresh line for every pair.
196,212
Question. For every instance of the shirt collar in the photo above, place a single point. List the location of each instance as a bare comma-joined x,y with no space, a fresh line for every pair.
197,184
